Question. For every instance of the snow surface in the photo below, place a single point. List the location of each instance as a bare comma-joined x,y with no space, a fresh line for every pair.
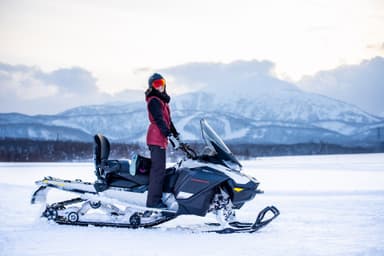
330,205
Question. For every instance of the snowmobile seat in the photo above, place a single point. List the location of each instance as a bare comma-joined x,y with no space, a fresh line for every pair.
137,173
116,172
140,165
126,180
101,149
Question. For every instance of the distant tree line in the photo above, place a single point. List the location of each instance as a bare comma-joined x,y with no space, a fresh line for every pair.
252,150
25,150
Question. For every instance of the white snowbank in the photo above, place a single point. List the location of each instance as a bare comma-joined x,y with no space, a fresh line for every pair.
330,205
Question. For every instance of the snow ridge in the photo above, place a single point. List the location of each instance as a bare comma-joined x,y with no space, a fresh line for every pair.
285,115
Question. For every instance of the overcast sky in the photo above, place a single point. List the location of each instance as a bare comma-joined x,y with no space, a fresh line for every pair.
118,43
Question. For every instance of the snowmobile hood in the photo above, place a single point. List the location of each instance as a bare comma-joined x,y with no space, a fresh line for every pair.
217,145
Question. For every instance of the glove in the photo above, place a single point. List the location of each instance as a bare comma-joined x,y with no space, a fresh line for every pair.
175,141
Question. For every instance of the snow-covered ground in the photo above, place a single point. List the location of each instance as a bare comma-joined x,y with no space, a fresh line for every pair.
330,205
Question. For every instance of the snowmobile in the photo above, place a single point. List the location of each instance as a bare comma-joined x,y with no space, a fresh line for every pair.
209,182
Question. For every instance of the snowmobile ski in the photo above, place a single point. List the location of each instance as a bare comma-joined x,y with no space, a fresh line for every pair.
246,227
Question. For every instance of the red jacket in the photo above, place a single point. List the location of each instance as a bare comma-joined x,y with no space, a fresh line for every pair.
160,124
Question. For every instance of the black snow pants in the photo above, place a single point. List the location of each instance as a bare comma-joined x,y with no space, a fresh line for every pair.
156,175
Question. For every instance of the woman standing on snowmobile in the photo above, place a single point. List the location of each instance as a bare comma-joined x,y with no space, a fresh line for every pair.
159,130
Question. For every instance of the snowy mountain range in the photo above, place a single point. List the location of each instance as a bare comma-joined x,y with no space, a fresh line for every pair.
280,113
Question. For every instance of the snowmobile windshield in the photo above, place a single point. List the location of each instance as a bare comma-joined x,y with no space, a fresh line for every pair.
217,145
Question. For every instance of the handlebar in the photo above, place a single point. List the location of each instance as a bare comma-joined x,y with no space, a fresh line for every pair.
188,150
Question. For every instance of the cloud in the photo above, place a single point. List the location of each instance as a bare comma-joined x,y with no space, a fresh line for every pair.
246,76
30,90
22,84
378,47
73,80
361,85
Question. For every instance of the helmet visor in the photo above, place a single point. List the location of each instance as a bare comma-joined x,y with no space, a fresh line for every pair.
158,83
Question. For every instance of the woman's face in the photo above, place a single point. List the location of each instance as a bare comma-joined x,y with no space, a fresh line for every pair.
161,88
159,85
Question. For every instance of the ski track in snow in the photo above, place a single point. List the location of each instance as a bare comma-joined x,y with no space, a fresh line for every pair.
330,205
